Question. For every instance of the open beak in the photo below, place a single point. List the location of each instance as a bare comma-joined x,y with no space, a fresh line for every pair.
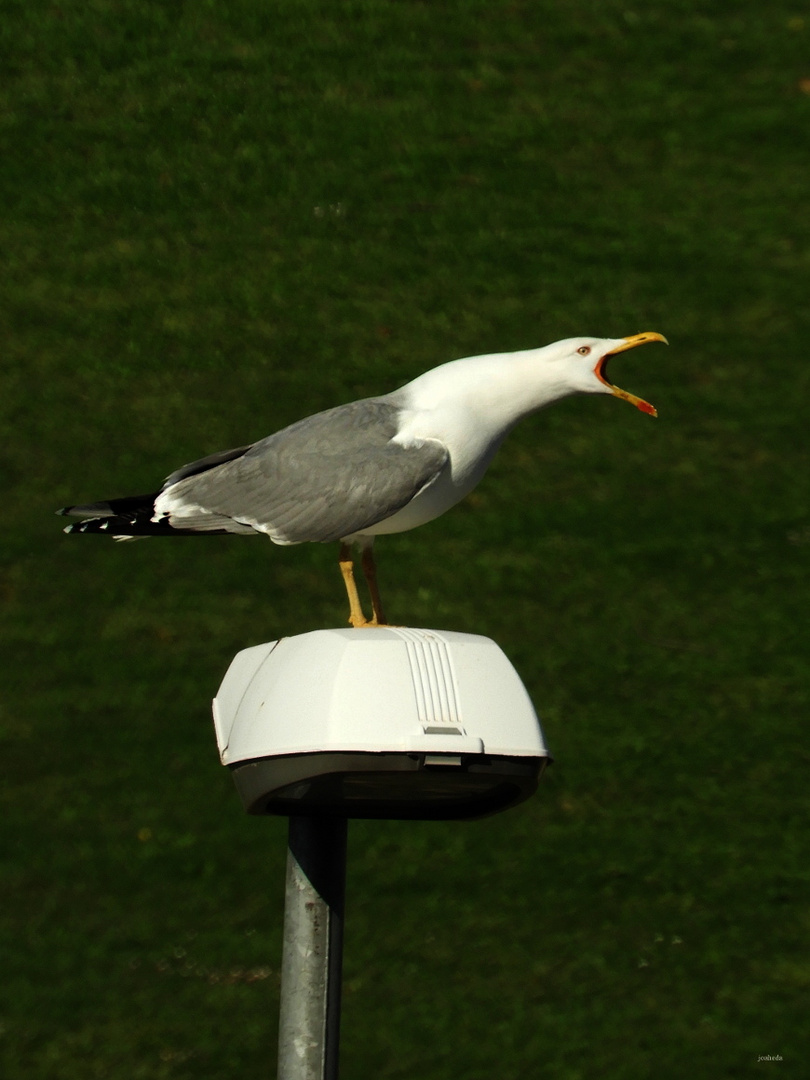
600,371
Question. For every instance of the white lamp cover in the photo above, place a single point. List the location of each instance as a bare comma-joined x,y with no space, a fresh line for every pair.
378,690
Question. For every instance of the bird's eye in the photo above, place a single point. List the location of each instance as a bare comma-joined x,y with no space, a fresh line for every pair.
583,350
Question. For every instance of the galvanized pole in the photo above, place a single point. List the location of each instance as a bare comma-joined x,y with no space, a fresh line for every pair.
312,960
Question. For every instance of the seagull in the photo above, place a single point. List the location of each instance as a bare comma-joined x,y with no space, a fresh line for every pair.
371,467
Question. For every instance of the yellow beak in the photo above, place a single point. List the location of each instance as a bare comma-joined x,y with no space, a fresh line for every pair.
628,343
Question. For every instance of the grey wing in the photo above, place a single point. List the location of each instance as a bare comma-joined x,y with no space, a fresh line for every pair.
204,464
326,477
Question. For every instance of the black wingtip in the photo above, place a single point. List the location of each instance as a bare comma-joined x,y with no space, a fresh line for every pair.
65,510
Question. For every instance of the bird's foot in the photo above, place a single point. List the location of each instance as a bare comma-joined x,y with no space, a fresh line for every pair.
357,617
361,622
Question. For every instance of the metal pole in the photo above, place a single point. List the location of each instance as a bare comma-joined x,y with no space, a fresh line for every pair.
312,959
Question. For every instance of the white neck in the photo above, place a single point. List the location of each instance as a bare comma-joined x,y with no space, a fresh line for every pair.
468,406
498,389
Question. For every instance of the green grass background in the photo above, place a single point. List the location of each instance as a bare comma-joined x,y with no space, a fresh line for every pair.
219,217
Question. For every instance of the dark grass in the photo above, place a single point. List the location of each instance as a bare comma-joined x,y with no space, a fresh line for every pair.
218,218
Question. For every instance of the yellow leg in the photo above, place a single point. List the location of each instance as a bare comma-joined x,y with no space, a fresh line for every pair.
370,571
356,616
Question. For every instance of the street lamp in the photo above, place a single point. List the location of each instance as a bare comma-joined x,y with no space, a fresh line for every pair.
384,722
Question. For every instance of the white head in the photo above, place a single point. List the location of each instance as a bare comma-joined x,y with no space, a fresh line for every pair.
470,405
582,365
500,388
